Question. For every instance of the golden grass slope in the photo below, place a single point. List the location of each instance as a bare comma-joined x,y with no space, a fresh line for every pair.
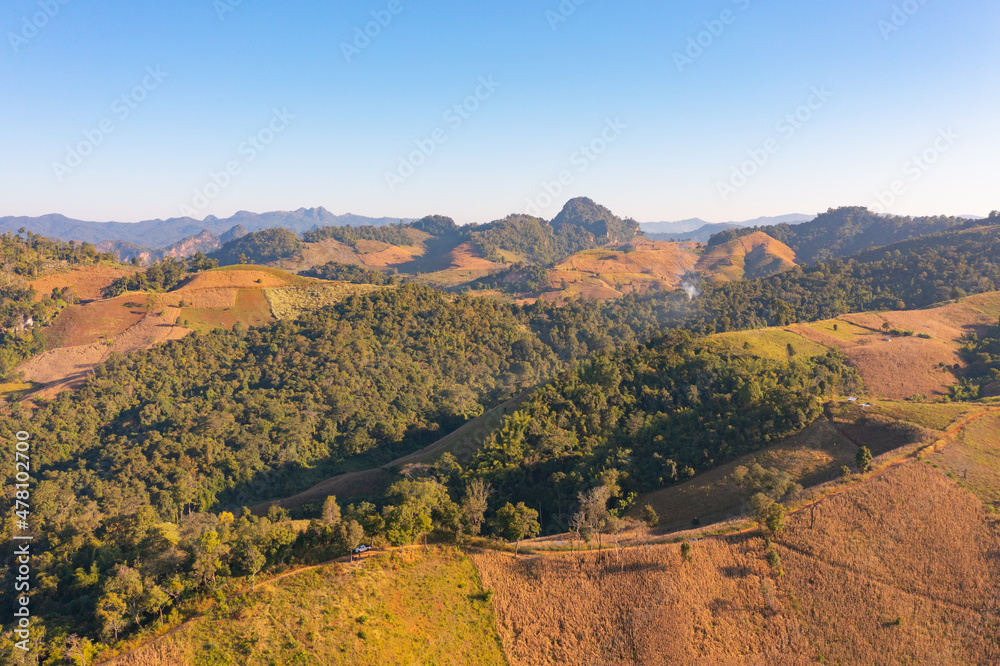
404,607
87,282
893,367
752,256
907,546
972,458
637,266
643,265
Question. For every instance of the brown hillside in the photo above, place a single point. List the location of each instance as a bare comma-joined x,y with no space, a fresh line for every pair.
84,336
909,545
752,256
610,272
900,367
86,282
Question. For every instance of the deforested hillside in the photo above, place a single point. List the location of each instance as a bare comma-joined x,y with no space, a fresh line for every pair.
895,570
751,256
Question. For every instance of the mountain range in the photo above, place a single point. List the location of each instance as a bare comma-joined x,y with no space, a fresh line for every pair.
699,230
159,234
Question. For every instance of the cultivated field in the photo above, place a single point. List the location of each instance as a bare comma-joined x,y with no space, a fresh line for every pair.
86,282
83,336
637,266
291,302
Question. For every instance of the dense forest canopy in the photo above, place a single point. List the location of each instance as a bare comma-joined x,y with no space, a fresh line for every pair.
259,247
352,273
394,234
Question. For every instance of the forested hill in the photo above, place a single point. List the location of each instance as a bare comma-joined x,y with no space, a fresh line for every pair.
581,225
846,231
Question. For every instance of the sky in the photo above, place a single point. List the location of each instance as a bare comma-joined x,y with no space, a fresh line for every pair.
661,111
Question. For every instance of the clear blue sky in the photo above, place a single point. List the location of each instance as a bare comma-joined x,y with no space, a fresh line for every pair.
931,87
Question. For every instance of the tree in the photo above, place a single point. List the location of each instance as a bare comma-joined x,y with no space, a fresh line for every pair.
206,558
420,504
775,561
80,649
649,516
515,523
686,552
775,518
864,459
331,510
127,586
350,534
112,613
593,516
769,514
154,600
474,504
253,560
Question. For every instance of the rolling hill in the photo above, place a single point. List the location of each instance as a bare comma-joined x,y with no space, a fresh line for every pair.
87,334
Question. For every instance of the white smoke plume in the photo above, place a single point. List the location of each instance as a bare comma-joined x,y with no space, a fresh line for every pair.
691,289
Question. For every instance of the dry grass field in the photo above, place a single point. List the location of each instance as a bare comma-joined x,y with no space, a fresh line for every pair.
403,607
99,321
643,265
771,343
343,486
290,302
86,282
859,587
812,456
893,367
972,458
752,256
249,307
456,266
901,367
